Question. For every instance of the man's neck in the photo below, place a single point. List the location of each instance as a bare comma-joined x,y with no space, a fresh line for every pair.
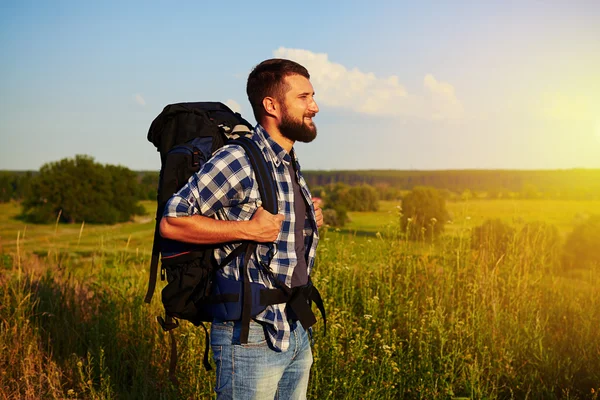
276,135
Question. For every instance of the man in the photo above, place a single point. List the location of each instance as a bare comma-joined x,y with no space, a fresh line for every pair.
221,204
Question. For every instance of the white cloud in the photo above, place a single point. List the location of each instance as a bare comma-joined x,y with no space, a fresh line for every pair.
234,105
364,92
139,99
441,100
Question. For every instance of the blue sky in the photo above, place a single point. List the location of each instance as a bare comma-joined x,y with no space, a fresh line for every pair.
511,85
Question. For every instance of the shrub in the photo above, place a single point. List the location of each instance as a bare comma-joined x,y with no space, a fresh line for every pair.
582,246
424,213
492,238
335,217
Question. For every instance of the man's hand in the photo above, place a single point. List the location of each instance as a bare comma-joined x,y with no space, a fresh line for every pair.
265,226
318,211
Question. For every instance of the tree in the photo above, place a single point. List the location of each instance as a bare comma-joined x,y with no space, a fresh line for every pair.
424,213
7,190
149,186
80,189
353,198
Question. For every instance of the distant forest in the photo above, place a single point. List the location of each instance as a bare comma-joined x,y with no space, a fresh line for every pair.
573,183
576,184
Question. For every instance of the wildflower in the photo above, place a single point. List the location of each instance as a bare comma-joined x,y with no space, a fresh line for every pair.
368,316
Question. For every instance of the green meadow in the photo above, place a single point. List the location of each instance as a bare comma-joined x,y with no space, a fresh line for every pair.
405,319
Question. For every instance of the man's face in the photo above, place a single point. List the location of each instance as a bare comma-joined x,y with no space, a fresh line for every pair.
298,109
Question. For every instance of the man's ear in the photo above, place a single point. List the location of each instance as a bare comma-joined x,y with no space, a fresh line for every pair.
271,107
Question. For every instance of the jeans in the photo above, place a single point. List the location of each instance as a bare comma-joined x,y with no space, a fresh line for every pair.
254,370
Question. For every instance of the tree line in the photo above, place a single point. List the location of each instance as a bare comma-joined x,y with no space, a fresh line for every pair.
82,190
580,184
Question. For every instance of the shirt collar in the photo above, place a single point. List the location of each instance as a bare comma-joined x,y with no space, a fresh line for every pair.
277,153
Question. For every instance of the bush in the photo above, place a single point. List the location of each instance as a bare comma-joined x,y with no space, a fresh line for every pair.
335,217
424,213
492,238
582,245
80,189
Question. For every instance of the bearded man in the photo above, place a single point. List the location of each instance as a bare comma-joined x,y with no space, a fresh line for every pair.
221,204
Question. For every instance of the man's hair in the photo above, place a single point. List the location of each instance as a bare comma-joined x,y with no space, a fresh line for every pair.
267,80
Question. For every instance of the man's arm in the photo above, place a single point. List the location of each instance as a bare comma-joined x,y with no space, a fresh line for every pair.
263,227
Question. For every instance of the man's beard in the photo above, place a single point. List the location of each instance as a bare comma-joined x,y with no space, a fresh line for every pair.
297,131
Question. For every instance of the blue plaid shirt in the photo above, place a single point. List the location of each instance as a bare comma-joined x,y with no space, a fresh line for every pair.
225,188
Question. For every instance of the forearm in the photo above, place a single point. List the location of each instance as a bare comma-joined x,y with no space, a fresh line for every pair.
204,230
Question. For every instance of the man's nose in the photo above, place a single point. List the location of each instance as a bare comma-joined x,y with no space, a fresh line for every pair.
313,107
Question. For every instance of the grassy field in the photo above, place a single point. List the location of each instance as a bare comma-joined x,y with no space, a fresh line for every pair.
405,319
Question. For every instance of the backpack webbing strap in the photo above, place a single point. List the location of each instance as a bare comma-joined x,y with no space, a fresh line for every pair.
168,324
234,254
154,260
247,293
316,297
207,365
299,300
173,363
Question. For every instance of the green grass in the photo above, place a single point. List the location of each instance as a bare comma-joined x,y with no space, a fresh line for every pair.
405,319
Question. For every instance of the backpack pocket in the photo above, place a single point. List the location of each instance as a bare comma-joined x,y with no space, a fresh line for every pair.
188,283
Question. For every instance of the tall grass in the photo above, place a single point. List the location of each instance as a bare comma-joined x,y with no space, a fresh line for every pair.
405,320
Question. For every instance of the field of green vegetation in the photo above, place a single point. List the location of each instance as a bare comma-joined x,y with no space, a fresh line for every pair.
405,319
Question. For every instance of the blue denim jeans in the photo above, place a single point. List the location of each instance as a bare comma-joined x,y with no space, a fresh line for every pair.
254,370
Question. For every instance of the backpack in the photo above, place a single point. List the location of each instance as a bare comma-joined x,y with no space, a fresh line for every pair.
186,135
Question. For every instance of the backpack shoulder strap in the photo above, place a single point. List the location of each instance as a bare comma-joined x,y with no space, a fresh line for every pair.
268,194
266,185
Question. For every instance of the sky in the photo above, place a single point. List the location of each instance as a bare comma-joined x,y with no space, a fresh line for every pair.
427,86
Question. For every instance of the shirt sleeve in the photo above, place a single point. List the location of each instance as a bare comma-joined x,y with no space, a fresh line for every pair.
223,181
